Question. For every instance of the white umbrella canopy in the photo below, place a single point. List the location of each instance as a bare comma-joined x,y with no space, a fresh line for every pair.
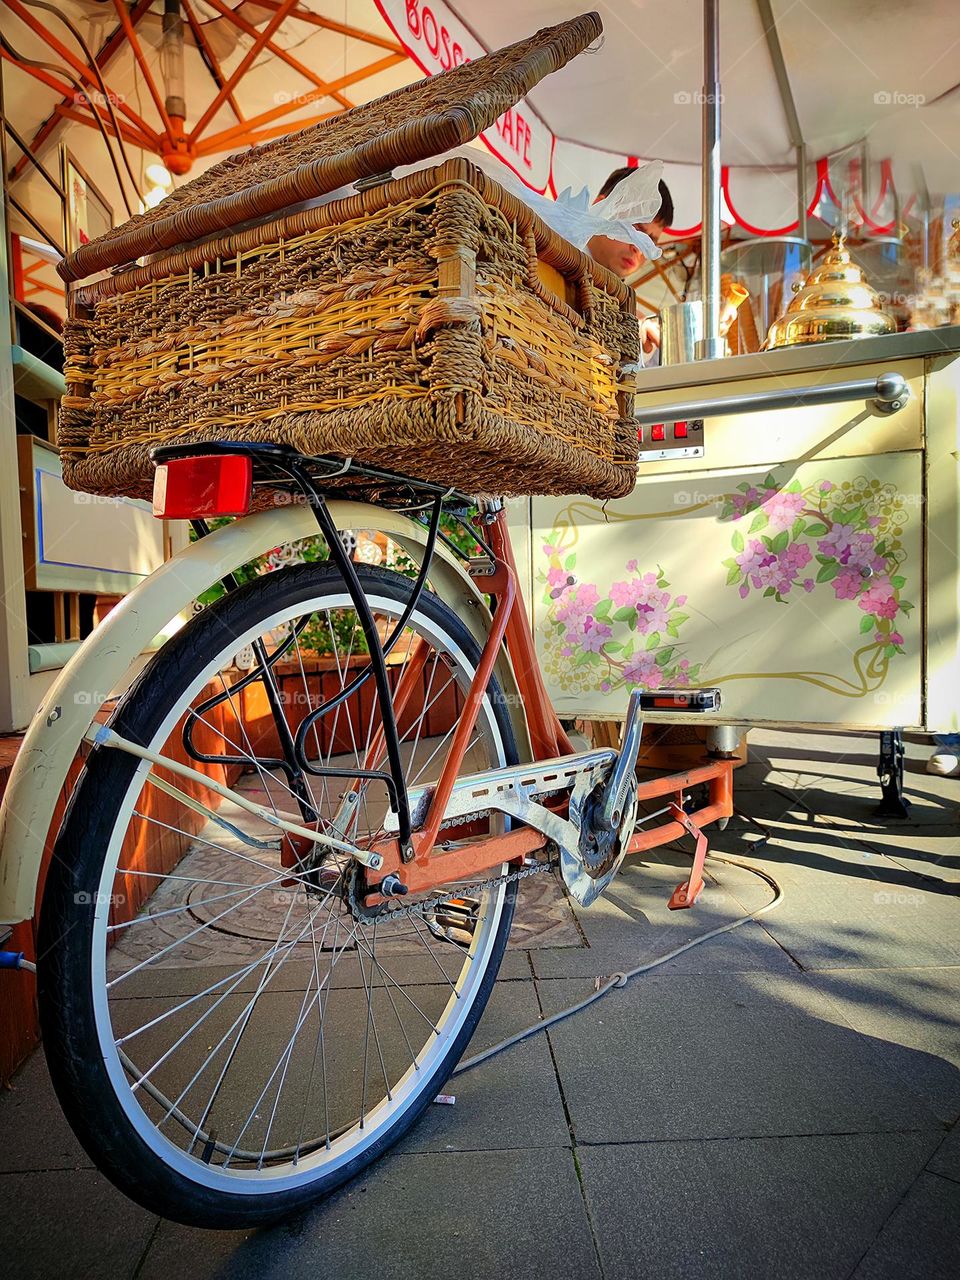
855,68
851,63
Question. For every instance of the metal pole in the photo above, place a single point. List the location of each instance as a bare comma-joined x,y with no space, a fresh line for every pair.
711,345
789,109
923,196
886,394
802,191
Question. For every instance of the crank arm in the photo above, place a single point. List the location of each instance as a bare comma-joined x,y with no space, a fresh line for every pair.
624,771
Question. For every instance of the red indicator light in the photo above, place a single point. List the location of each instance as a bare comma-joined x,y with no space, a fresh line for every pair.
658,432
640,434
679,431
209,485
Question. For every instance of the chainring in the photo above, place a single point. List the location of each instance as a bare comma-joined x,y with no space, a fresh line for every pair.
602,851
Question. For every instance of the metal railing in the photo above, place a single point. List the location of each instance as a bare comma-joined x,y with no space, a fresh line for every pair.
886,394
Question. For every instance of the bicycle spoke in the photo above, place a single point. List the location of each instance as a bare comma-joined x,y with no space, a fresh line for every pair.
241,1022
153,916
371,1021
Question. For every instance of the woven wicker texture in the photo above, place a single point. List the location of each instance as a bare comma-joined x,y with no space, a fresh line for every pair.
408,327
416,122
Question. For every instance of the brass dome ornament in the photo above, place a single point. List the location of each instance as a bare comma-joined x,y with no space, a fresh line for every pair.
835,301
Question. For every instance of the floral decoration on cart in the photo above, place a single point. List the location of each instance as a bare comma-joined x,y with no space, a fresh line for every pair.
582,649
792,540
842,536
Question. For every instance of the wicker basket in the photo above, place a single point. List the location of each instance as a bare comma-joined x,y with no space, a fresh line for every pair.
433,325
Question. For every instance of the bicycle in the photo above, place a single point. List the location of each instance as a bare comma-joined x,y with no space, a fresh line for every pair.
244,1004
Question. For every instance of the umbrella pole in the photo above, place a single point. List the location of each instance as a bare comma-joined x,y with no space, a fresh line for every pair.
711,346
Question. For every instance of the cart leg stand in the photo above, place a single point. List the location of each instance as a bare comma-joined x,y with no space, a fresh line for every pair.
893,803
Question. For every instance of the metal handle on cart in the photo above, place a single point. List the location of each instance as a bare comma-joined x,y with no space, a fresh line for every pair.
888,394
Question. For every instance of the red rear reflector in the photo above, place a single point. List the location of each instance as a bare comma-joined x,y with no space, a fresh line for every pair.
209,485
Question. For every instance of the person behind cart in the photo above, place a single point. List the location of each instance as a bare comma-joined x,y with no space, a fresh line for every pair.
623,259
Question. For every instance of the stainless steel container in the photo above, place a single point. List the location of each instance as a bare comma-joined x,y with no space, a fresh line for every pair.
681,328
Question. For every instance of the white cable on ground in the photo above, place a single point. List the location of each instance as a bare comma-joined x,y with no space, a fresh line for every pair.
621,979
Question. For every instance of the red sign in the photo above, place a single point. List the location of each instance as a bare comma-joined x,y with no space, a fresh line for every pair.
437,40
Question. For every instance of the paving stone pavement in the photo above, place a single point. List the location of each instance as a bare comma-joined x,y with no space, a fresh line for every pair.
780,1102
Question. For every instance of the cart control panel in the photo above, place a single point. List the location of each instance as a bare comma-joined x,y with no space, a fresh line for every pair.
662,441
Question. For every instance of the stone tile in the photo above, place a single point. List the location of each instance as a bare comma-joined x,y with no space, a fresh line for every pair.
519,1091
515,965
745,950
70,1223
933,802
734,1055
180,980
847,906
472,1215
834,776
34,1134
920,1240
794,1208
843,799
911,1015
928,852
544,916
946,1158
512,1100
632,923
774,743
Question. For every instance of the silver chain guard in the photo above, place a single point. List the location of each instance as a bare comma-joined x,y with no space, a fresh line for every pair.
514,791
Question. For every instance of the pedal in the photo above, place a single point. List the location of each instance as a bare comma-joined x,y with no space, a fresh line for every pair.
462,912
454,920
703,700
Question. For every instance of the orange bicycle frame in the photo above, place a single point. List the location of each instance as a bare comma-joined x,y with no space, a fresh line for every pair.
429,867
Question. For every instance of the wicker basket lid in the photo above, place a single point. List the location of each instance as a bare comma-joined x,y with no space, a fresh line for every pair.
409,125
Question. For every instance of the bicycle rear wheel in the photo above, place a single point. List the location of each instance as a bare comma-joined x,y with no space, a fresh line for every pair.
232,1039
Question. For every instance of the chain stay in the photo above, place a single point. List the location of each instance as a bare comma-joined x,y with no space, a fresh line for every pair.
426,905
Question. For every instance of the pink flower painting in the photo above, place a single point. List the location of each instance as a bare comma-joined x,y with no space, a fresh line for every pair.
791,538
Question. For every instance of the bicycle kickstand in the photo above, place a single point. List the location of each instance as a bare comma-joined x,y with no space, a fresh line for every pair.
687,893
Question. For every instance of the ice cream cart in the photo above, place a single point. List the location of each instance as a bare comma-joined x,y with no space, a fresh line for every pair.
804,556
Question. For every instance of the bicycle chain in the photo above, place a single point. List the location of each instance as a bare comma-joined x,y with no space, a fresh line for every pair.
425,905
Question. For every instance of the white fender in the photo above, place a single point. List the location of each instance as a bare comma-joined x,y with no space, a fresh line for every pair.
103,662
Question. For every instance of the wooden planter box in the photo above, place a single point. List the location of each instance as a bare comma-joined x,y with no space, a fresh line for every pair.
320,679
